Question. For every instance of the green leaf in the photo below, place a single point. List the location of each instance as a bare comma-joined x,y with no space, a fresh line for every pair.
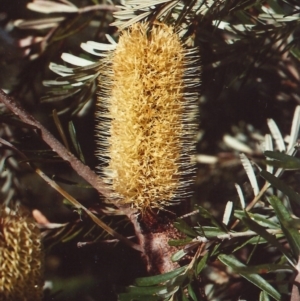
264,268
209,232
276,7
292,235
68,237
278,184
183,296
206,214
154,280
151,293
295,51
263,233
179,242
56,96
147,290
133,297
252,241
257,280
75,142
60,129
283,160
192,293
263,296
178,255
259,218
216,249
201,264
185,228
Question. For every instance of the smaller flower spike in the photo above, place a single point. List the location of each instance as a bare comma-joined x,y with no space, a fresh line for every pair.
148,104
21,256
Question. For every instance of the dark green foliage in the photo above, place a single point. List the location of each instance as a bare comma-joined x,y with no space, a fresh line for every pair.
250,55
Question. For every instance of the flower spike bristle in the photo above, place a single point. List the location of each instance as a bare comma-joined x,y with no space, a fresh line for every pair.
22,256
149,97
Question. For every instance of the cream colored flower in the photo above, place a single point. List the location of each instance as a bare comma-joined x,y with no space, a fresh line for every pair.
151,109
148,87
21,257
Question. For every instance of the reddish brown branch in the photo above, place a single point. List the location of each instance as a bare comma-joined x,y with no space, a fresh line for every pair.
154,246
84,171
73,201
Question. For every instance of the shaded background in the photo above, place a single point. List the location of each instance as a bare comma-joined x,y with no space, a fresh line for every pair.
237,97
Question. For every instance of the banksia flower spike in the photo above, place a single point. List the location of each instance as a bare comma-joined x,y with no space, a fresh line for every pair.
150,97
21,257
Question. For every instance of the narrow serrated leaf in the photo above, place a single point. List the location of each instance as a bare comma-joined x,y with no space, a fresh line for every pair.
250,173
48,7
146,290
75,142
278,184
39,24
201,264
207,215
53,96
257,280
154,280
191,292
263,296
252,241
60,129
75,60
209,232
295,51
292,234
178,255
236,144
284,161
264,269
241,195
269,147
276,134
294,128
68,237
136,297
181,225
227,213
259,218
179,242
261,231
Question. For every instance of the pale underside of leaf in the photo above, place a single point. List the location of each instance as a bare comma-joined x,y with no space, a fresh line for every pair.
250,173
48,7
269,147
294,128
75,60
276,134
241,195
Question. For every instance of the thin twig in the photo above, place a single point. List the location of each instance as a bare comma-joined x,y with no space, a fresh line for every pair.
72,200
148,244
253,202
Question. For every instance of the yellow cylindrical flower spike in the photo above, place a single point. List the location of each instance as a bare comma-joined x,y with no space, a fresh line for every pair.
151,103
21,257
